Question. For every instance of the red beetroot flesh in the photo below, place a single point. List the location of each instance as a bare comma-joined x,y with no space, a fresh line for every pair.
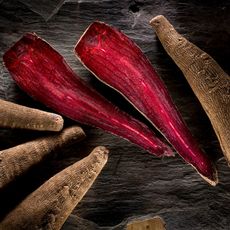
118,62
43,73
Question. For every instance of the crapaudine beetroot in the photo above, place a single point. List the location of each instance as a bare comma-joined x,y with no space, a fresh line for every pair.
43,73
117,61
207,79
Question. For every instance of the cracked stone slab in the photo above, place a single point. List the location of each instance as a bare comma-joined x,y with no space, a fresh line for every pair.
47,9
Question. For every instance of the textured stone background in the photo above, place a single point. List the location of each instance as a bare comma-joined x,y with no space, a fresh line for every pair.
133,182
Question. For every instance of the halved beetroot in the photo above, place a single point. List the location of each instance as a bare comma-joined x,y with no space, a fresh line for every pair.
43,73
119,62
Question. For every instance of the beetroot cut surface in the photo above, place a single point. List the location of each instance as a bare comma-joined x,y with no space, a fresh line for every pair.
117,61
43,74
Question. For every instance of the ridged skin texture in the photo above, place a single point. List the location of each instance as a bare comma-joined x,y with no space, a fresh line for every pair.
43,73
207,79
49,206
18,116
17,160
155,223
119,63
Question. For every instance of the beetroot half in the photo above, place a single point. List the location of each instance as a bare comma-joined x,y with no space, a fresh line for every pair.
117,61
43,73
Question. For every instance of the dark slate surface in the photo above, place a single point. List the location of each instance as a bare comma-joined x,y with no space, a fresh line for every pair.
133,182
44,8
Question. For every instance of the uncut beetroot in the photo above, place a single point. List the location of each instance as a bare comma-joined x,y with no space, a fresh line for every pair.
48,207
207,79
18,116
118,62
17,160
43,73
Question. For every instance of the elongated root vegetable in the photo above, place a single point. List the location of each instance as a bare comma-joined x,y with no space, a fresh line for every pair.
17,160
206,78
43,73
155,223
49,206
118,62
18,116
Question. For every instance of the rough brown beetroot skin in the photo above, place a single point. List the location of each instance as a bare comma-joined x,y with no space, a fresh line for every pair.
118,62
43,73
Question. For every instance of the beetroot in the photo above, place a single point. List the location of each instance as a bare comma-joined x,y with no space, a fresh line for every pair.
43,73
118,62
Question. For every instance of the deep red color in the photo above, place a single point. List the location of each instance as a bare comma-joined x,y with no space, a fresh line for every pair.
118,62
43,73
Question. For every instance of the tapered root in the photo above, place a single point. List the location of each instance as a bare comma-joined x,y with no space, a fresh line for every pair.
139,83
18,116
17,160
214,181
49,206
155,223
207,79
